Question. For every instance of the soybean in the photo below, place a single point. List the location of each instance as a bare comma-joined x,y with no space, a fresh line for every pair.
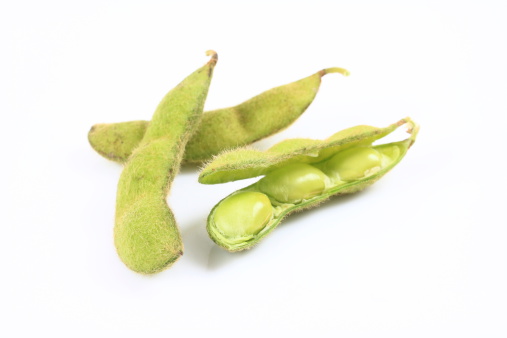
293,183
353,163
299,174
227,128
146,236
243,214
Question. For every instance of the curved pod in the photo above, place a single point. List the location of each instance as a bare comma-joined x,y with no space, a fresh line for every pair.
146,236
227,128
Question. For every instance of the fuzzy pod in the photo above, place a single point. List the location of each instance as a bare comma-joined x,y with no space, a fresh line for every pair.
281,165
146,236
221,129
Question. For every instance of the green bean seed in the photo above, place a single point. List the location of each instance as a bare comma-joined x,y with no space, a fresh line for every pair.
243,214
293,183
352,164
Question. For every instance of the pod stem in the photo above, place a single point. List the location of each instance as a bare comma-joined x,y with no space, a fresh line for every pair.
214,56
342,71
412,129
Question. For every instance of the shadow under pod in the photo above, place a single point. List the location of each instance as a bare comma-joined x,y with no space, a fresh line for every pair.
197,244
335,202
219,257
204,252
190,168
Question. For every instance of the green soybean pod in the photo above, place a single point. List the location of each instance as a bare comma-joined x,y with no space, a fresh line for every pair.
299,174
227,128
146,236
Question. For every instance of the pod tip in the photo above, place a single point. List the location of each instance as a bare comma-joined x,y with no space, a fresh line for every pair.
213,54
412,129
342,71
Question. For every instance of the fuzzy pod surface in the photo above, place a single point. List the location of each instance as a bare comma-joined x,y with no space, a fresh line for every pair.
221,129
146,236
289,154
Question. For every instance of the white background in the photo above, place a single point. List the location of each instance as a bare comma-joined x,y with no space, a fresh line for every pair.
422,253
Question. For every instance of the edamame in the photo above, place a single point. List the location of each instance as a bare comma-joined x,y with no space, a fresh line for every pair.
250,121
146,235
299,174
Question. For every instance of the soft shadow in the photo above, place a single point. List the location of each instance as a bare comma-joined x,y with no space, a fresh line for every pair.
189,168
205,253
197,243
219,257
202,251
335,202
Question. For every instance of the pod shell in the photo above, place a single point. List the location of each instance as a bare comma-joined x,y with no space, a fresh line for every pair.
246,163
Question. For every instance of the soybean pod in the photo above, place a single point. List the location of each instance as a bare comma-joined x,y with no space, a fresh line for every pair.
146,236
299,174
227,128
